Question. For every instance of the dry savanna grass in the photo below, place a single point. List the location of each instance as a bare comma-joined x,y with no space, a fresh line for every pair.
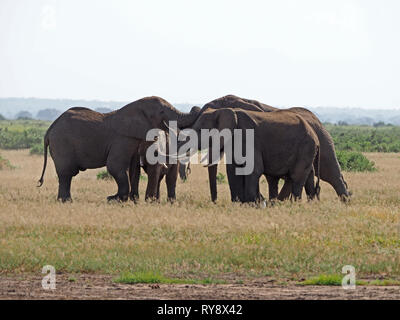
194,238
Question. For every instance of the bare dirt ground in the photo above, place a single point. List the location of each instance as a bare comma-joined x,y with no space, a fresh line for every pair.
86,286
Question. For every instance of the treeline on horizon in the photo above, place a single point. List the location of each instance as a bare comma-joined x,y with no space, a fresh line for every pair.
50,109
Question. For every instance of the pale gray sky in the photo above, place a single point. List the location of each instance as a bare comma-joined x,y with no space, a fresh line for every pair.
309,52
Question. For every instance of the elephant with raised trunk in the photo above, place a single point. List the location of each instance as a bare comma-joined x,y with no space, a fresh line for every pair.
83,139
329,167
285,146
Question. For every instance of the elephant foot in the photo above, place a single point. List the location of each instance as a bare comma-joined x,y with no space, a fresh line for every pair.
64,200
117,198
134,198
171,200
152,200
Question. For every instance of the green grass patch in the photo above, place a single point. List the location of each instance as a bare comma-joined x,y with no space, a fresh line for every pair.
336,280
323,280
221,178
152,277
104,175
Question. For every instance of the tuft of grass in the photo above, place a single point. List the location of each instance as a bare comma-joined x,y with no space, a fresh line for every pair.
384,283
221,178
336,280
153,277
323,280
5,164
104,175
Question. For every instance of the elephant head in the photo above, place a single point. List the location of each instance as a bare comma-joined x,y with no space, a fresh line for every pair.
137,118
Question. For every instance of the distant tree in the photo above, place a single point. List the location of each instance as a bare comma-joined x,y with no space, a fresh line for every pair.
103,110
2,117
48,114
343,123
24,115
379,124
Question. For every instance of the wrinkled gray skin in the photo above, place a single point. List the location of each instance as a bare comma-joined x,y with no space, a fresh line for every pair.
290,151
83,139
329,165
184,171
155,174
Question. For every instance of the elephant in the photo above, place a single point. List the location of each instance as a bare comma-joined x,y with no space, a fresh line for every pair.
285,146
155,174
329,167
184,170
81,139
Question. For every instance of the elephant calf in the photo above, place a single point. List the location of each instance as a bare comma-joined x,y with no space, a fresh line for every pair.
155,174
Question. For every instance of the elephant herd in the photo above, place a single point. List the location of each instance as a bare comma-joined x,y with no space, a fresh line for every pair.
291,144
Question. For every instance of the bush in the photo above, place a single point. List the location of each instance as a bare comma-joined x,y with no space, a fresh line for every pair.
104,175
354,161
366,138
22,134
37,149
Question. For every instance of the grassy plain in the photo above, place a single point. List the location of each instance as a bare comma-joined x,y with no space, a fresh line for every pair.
193,238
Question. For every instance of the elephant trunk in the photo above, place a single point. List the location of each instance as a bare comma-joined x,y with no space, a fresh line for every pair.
184,120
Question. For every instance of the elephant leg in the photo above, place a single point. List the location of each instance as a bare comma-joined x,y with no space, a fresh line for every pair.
64,188
272,187
286,191
236,183
134,177
310,186
299,178
170,180
212,179
153,181
121,178
158,187
251,188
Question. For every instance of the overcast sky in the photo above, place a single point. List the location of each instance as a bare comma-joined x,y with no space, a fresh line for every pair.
284,53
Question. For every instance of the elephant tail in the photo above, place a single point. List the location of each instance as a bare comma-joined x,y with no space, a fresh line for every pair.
45,145
317,172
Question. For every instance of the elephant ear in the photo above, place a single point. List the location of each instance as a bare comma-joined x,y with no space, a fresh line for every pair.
245,121
131,124
226,119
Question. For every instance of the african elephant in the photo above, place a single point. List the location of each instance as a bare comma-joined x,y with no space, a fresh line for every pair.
155,174
83,139
329,166
285,146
